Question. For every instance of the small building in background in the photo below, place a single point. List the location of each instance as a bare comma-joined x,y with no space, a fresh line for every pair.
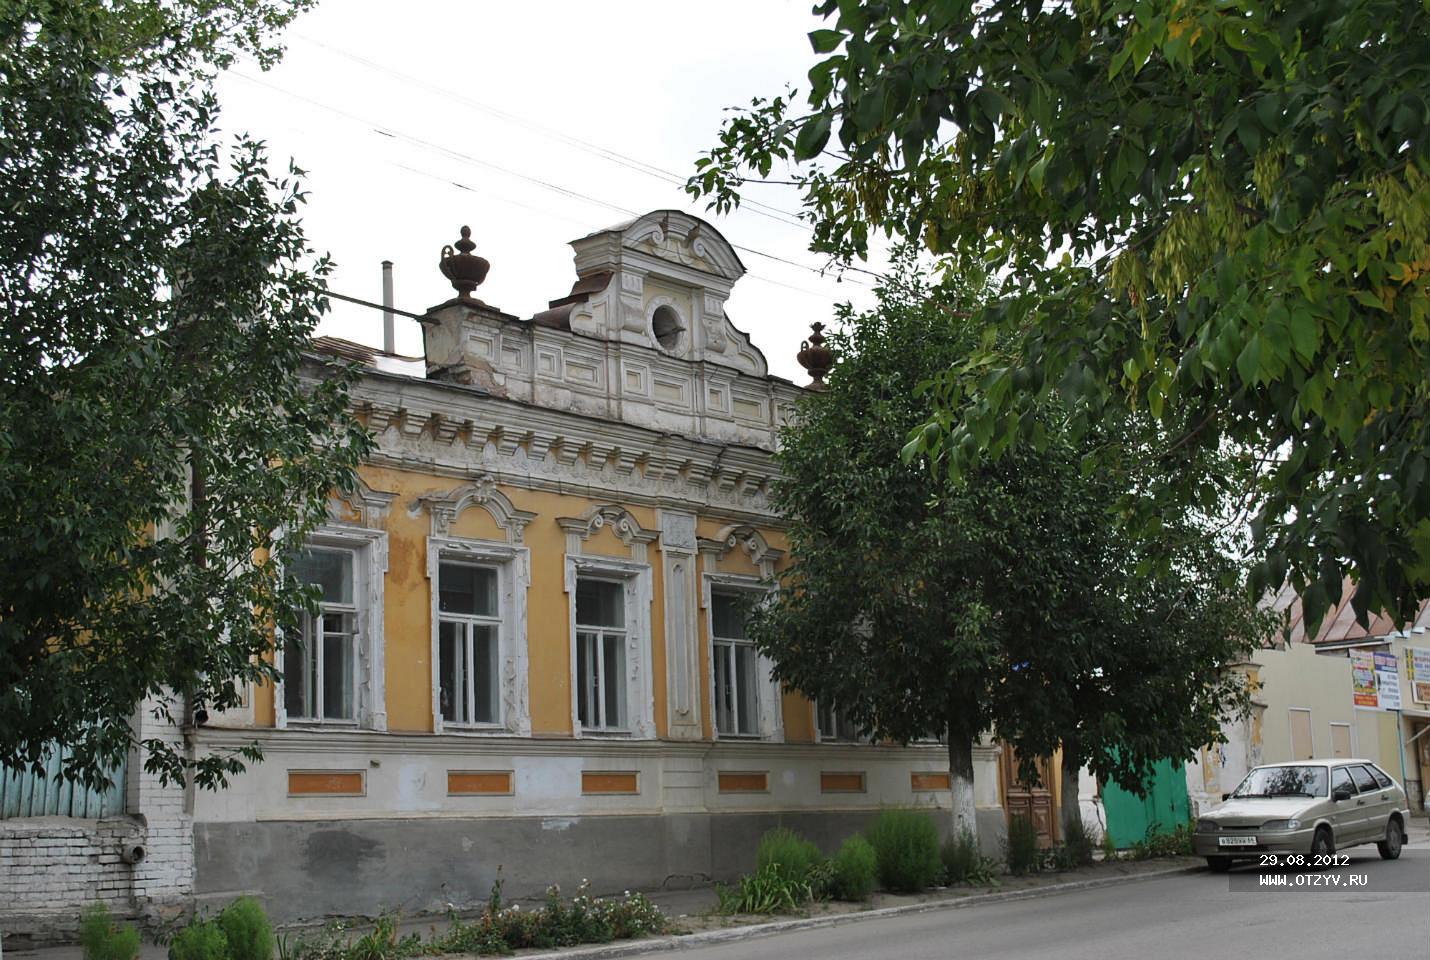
1346,691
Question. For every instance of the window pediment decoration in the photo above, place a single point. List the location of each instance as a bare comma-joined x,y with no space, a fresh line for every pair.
362,506
748,539
445,508
594,519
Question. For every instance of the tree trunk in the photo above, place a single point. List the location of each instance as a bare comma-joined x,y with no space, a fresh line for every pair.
1071,813
960,779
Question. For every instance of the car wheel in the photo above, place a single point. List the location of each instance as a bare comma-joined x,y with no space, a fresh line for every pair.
1219,864
1394,837
1324,843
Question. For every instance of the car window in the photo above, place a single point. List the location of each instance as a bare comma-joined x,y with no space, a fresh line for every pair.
1341,777
1380,777
1363,779
1283,781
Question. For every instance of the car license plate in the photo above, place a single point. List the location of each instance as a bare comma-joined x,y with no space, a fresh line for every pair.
1236,841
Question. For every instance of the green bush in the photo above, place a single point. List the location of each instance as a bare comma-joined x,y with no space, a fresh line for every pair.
586,919
856,868
796,855
103,939
245,925
383,943
770,889
1022,850
1158,843
200,940
1109,846
964,863
906,847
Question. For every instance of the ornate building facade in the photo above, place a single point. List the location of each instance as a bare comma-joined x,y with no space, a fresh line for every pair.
531,655
531,659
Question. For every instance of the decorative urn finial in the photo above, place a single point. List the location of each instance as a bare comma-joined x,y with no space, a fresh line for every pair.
460,266
815,357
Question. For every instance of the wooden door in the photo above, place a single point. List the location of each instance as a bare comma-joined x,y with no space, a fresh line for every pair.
1302,744
1340,740
1033,801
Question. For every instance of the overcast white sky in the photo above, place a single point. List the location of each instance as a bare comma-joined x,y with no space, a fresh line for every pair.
414,118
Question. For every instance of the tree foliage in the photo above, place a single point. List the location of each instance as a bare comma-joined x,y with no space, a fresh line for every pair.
1212,212
158,447
1007,599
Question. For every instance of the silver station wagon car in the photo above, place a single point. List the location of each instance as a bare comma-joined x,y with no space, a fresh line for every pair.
1311,807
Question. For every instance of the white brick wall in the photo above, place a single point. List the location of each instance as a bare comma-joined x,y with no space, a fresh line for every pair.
51,868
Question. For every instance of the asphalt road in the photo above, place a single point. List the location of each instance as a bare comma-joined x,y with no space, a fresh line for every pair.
1190,915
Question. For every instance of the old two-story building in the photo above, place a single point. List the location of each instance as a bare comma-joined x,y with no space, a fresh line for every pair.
531,659
531,656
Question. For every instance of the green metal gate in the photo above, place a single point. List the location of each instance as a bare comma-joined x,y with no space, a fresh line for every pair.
1131,818
49,795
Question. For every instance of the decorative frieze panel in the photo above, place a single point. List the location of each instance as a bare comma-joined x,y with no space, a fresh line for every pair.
749,540
361,506
445,508
620,521
455,431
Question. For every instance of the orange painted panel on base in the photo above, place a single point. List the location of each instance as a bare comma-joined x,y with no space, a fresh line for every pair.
929,781
326,783
609,781
472,783
747,782
842,782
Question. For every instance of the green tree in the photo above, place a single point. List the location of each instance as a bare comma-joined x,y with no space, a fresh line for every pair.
1007,600
160,453
1211,212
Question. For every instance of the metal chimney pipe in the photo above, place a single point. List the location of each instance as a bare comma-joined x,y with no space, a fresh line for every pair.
389,333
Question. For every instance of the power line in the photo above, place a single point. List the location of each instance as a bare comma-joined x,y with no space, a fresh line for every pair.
458,155
622,159
448,181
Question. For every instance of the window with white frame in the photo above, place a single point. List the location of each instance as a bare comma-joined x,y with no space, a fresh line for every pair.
737,666
468,643
834,725
601,654
321,664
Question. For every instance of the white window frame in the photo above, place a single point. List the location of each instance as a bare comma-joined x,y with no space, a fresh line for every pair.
369,550
636,580
513,566
601,636
770,707
820,737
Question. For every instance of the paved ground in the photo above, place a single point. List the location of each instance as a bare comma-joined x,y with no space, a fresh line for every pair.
1190,915
1193,916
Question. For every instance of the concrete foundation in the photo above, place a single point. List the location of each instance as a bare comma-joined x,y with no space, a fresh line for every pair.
311,869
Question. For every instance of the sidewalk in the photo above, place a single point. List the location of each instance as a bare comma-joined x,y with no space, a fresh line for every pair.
694,917
693,912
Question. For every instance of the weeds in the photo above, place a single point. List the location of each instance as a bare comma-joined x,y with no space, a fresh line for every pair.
247,930
855,869
963,862
201,940
1022,850
906,844
101,938
1177,843
1077,846
770,889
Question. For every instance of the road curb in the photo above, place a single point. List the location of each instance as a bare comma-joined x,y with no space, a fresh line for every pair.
634,948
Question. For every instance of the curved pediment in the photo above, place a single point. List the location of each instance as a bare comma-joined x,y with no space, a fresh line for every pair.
679,238
659,281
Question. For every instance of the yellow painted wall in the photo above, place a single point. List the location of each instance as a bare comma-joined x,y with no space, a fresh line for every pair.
407,624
